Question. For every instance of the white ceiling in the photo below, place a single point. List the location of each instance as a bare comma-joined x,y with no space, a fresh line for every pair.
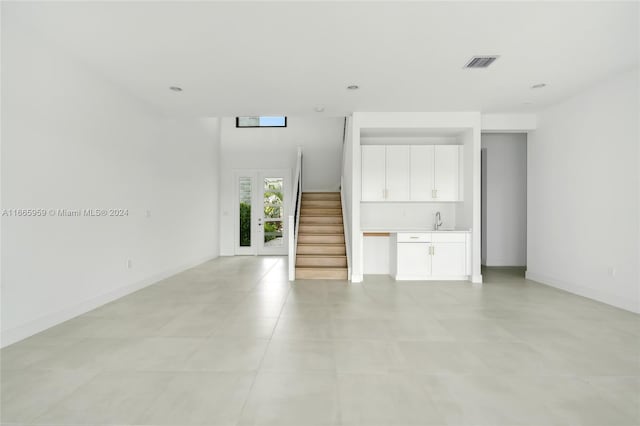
246,58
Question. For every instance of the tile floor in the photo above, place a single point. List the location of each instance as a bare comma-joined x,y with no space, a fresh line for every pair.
231,342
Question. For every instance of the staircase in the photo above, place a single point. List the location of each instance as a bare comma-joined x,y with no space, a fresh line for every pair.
321,252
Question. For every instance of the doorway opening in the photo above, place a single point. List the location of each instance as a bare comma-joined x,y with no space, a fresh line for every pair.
504,201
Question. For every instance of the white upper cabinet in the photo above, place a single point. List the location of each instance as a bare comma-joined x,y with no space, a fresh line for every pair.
446,172
373,172
411,173
421,180
397,176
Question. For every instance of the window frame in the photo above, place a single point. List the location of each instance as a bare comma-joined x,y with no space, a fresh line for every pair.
238,126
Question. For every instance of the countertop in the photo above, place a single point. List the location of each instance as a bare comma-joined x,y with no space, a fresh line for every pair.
429,230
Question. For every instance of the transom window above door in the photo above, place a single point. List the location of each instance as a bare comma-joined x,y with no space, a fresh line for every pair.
261,121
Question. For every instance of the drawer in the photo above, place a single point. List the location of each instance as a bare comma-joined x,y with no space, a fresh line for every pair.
448,237
414,237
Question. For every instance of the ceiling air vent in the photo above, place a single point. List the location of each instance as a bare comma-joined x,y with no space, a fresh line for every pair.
481,61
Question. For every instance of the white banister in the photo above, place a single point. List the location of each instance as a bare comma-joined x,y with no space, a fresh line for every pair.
294,216
345,224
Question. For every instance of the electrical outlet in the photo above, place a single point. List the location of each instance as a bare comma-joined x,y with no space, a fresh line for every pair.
612,271
129,264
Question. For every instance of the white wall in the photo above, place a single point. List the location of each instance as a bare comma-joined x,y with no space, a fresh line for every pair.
582,209
465,210
71,140
509,122
504,232
277,148
375,253
387,216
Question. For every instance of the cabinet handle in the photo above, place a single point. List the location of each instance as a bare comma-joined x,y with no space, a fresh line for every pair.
433,193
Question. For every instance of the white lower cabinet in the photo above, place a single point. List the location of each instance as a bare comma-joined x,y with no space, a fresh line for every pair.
414,260
448,259
429,256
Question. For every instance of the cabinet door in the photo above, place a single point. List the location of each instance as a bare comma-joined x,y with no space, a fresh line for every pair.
446,172
448,259
414,261
421,173
397,173
373,172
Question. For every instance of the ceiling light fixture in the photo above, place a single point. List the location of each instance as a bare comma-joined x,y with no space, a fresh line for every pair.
319,108
353,87
175,88
539,85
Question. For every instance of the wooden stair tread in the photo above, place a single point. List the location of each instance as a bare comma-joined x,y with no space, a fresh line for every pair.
318,217
337,268
320,244
322,255
321,251
327,234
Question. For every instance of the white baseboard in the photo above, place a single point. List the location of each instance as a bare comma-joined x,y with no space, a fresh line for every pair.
588,292
431,278
476,279
15,334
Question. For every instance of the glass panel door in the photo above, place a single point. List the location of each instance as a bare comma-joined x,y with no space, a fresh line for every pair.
273,200
273,213
245,198
261,212
245,210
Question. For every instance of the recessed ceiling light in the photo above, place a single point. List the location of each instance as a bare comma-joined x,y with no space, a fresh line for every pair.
539,85
319,108
353,87
175,88
527,103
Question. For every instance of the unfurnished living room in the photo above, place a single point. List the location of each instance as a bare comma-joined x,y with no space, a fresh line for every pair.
320,213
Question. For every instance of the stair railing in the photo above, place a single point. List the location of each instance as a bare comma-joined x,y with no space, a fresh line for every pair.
294,216
347,231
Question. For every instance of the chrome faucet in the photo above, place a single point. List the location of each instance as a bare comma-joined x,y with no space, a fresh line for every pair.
438,222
